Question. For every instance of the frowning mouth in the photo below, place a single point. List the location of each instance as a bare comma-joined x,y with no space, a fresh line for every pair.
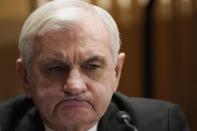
74,103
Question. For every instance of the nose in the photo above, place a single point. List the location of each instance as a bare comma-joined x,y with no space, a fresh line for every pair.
75,83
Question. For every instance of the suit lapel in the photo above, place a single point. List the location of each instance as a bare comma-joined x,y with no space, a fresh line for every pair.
110,122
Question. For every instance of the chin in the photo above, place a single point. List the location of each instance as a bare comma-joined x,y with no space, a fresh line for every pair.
76,118
77,122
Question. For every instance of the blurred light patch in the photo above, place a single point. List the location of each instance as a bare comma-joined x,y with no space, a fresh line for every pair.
184,7
164,8
143,3
165,2
107,4
13,9
124,4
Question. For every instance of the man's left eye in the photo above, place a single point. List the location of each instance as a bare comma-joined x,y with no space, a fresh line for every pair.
91,66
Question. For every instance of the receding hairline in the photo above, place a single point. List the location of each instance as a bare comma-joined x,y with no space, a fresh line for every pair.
35,24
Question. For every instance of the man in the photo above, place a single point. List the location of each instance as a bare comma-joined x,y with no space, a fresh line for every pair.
70,67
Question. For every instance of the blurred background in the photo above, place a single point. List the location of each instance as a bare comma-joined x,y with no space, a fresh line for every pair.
159,38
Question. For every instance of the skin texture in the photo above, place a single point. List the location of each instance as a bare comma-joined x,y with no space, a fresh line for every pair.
73,75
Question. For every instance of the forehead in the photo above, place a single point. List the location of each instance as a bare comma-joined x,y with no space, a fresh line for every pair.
85,36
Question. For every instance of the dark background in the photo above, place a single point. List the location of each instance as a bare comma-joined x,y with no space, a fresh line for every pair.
159,38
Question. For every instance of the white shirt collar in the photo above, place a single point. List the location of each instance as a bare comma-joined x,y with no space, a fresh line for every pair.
94,128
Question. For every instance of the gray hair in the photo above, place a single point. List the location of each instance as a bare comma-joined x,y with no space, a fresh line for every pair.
54,15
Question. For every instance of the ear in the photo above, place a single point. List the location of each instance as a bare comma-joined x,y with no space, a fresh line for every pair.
118,68
22,73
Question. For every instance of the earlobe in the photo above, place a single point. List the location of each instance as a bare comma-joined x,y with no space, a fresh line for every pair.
22,73
119,66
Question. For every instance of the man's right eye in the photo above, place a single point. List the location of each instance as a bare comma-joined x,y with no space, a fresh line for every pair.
58,69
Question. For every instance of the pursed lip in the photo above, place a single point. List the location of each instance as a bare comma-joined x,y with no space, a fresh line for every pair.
74,103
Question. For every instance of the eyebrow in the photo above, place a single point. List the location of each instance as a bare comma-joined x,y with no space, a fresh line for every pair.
51,61
96,59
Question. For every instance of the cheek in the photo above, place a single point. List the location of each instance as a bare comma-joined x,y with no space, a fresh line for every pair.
44,88
46,100
103,87
45,94
108,81
102,97
101,92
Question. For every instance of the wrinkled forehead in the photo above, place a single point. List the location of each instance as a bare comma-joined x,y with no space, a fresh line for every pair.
76,42
65,19
87,28
86,35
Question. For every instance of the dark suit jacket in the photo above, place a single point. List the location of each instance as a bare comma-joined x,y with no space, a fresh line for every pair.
20,114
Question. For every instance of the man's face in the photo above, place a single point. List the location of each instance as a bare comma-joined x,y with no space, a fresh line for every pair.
73,75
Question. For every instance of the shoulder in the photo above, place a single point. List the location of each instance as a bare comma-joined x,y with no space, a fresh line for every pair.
12,111
151,114
141,104
18,104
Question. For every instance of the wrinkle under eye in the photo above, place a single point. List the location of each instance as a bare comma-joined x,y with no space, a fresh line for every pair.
94,67
93,71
